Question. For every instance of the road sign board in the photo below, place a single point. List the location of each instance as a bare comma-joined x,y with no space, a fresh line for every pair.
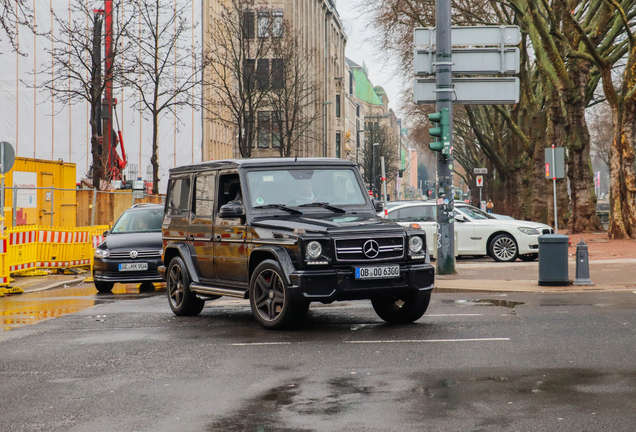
471,91
480,170
471,36
556,170
475,61
7,157
480,181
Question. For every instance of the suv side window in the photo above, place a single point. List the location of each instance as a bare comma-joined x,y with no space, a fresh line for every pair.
177,203
229,189
203,196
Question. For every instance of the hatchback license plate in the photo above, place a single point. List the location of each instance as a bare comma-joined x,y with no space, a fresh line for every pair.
378,272
133,266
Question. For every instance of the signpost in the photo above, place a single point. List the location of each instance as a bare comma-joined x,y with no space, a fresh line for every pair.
479,178
555,168
471,91
7,159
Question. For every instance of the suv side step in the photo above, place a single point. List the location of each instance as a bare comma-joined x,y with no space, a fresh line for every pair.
228,292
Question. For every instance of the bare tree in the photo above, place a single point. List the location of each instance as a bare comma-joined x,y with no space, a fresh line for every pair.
78,71
163,65
293,95
13,16
236,86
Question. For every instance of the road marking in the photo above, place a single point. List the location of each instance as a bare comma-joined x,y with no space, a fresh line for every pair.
261,343
430,340
452,315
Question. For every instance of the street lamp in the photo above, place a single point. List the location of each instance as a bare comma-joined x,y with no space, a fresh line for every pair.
324,128
373,169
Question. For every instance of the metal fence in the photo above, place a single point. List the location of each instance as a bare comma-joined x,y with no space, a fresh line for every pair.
55,207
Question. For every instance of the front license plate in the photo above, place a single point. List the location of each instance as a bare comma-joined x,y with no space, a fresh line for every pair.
378,272
133,267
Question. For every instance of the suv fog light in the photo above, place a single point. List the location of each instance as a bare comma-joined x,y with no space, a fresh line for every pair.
314,249
415,244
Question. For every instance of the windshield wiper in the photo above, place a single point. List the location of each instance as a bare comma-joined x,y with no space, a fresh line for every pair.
279,206
324,205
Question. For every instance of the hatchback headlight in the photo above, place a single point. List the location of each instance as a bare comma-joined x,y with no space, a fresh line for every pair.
102,253
415,244
314,249
529,231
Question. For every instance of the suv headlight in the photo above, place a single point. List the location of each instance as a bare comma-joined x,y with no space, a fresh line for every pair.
102,253
529,231
415,244
314,249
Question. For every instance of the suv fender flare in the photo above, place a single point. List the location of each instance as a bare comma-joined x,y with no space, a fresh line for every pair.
183,251
280,254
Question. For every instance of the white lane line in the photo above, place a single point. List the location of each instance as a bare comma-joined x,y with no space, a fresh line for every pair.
261,343
430,340
452,315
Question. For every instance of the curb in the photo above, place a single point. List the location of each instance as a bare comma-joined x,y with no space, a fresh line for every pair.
55,285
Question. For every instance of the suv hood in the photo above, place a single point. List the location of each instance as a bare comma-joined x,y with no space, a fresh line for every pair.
330,223
129,241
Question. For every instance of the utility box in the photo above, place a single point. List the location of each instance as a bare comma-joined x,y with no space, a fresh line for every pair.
553,260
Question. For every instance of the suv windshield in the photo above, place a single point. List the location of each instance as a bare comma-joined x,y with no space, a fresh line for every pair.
295,187
474,213
139,221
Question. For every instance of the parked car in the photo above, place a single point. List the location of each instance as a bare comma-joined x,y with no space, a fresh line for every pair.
284,233
478,233
131,251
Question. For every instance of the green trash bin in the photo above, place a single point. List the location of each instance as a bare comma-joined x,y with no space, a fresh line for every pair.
553,260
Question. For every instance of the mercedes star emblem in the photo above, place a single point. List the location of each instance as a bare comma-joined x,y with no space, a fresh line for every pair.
371,248
133,254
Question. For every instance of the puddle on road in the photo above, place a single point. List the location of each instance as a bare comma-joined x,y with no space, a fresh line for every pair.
30,308
486,302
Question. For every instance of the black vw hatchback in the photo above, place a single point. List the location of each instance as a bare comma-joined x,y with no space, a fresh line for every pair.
132,249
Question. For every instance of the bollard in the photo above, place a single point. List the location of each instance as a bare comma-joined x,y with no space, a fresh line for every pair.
582,265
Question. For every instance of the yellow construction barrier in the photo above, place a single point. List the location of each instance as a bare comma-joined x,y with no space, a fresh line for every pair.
32,248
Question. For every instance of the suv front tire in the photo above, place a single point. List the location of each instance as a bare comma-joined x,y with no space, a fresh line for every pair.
402,309
183,302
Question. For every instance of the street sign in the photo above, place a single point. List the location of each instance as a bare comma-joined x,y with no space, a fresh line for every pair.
480,170
556,170
7,157
480,181
474,61
471,36
471,91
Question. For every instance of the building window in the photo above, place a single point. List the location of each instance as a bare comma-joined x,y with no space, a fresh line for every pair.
278,74
338,106
248,24
357,110
263,24
249,74
277,23
262,73
264,129
337,144
350,82
276,136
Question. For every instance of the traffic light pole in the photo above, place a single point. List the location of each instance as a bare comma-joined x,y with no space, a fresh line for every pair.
444,99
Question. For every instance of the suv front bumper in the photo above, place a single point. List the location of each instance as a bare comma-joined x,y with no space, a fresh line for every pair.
337,284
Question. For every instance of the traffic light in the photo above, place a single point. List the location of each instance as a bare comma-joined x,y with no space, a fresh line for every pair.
441,131
401,173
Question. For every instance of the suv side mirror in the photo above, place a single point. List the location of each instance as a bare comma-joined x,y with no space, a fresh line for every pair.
460,218
231,210
377,205
105,233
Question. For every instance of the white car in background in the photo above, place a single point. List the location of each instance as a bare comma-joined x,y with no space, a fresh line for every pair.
478,233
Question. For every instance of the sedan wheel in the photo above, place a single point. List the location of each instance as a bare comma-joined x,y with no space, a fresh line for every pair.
183,302
503,248
271,303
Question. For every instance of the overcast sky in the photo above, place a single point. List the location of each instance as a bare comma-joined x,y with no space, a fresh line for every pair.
361,48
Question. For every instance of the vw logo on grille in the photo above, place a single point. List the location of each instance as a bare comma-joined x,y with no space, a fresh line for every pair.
133,254
371,248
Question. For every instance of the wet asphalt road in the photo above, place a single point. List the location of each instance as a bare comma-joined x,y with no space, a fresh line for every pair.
516,362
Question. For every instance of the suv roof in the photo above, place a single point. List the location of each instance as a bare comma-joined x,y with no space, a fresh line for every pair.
262,162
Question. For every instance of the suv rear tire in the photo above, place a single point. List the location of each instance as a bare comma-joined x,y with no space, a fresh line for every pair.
402,309
271,302
183,302
104,287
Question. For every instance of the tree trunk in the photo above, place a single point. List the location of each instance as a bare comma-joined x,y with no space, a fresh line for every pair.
95,150
154,159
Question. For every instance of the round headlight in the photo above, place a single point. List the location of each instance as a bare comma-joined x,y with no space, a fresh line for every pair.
415,244
314,249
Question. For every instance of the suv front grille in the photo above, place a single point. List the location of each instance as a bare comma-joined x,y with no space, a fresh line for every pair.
140,254
353,249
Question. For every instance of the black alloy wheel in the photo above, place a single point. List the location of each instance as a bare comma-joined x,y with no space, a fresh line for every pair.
104,287
271,303
183,302
402,309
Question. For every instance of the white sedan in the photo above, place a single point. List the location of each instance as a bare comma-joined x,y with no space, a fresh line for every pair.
478,233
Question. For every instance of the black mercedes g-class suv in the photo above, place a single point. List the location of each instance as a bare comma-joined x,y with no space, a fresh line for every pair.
284,233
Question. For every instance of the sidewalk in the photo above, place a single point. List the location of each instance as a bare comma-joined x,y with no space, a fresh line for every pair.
43,283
